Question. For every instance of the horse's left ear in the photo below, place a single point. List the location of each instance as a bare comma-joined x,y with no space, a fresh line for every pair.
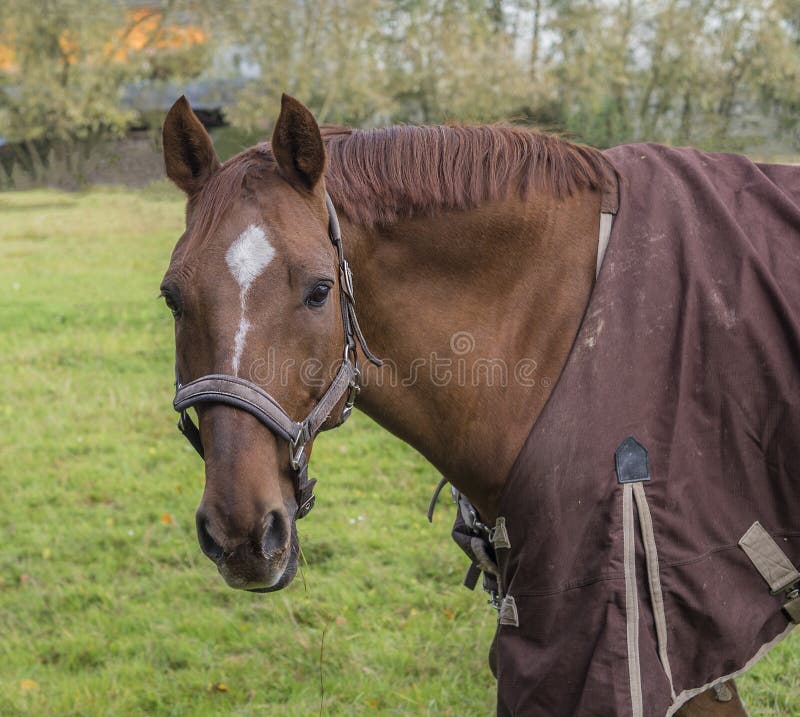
297,144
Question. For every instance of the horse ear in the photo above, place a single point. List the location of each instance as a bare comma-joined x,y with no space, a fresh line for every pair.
188,152
297,144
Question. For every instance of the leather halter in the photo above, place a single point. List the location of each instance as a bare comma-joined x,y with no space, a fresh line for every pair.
247,396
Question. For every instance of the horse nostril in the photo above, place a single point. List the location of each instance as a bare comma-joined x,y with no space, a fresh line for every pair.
207,544
276,533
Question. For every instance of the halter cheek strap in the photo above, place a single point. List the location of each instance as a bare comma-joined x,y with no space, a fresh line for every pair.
247,396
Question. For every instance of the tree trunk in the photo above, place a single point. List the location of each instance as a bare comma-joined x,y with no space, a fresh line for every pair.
537,25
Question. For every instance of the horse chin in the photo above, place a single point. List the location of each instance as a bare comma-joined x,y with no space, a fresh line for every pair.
268,574
274,577
291,566
285,579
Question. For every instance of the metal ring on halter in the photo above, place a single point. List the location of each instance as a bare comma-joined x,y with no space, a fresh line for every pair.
350,401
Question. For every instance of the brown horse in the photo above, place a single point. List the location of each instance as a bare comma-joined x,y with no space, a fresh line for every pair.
464,242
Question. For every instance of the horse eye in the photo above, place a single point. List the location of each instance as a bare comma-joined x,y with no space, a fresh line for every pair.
318,295
172,302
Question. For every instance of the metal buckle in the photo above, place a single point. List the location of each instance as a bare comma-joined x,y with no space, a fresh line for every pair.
305,509
297,449
473,521
494,596
348,280
355,389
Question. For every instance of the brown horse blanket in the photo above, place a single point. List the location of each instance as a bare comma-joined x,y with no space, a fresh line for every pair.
630,598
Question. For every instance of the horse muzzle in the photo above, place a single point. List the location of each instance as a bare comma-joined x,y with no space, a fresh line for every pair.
261,563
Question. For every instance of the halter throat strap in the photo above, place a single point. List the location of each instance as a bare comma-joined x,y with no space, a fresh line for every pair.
352,331
248,396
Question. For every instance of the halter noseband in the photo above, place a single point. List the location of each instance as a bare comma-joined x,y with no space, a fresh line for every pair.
247,396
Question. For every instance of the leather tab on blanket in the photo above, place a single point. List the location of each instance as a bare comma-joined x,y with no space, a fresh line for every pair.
767,557
500,535
508,612
792,609
631,461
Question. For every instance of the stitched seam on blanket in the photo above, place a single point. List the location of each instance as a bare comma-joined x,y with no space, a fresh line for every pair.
566,587
686,695
676,564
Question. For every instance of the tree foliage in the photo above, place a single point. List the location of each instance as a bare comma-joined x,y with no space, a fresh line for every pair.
676,70
717,73
720,73
65,64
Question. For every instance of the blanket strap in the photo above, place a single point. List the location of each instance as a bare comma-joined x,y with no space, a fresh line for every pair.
653,579
631,601
632,471
774,566
479,542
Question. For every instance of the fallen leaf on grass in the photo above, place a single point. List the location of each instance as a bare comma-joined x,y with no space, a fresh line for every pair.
219,687
448,613
28,685
167,519
341,620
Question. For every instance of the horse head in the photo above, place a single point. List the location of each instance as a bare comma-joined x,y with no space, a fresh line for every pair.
257,285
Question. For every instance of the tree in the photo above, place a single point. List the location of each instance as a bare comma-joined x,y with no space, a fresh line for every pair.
66,65
720,73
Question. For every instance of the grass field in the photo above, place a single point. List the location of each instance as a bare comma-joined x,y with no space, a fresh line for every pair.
107,606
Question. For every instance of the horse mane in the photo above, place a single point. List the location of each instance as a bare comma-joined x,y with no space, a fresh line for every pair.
377,176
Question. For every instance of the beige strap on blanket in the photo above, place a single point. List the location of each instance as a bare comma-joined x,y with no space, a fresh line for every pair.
633,472
774,566
635,493
654,579
631,600
606,220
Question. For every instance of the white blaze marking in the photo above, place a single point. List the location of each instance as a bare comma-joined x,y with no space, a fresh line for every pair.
249,255
238,342
247,258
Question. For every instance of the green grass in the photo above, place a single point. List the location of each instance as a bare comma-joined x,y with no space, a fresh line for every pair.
107,606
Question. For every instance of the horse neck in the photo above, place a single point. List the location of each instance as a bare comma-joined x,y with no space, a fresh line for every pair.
475,313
